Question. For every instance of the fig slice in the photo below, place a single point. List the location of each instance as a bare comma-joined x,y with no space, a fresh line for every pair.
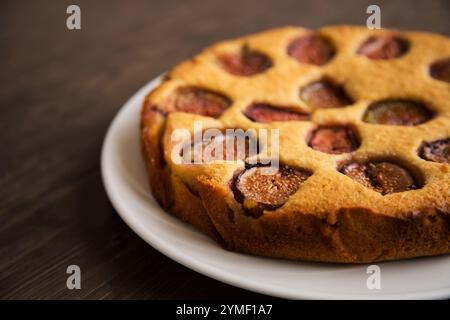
440,70
257,190
334,140
199,101
383,47
245,63
311,49
437,151
325,94
230,147
383,177
397,113
265,113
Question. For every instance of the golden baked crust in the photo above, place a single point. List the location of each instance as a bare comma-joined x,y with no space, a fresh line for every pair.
331,217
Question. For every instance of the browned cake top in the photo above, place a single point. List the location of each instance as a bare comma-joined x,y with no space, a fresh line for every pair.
364,117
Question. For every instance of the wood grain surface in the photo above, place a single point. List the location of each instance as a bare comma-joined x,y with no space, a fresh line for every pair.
59,91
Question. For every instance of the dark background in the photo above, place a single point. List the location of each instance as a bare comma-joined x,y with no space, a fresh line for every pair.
60,89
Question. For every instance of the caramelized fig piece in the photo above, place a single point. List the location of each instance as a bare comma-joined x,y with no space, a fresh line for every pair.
389,178
263,112
258,191
334,140
324,94
245,63
383,47
198,101
311,49
357,172
231,147
440,70
397,113
383,177
437,151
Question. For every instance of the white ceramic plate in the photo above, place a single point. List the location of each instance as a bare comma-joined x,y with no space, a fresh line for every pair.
125,181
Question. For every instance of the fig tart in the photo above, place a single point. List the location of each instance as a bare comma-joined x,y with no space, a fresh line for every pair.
363,118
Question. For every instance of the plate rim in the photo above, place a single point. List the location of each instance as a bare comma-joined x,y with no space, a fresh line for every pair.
211,271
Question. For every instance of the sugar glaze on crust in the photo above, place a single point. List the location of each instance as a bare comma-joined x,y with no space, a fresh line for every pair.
331,217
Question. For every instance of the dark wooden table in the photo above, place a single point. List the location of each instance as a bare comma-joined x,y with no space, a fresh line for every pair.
59,91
